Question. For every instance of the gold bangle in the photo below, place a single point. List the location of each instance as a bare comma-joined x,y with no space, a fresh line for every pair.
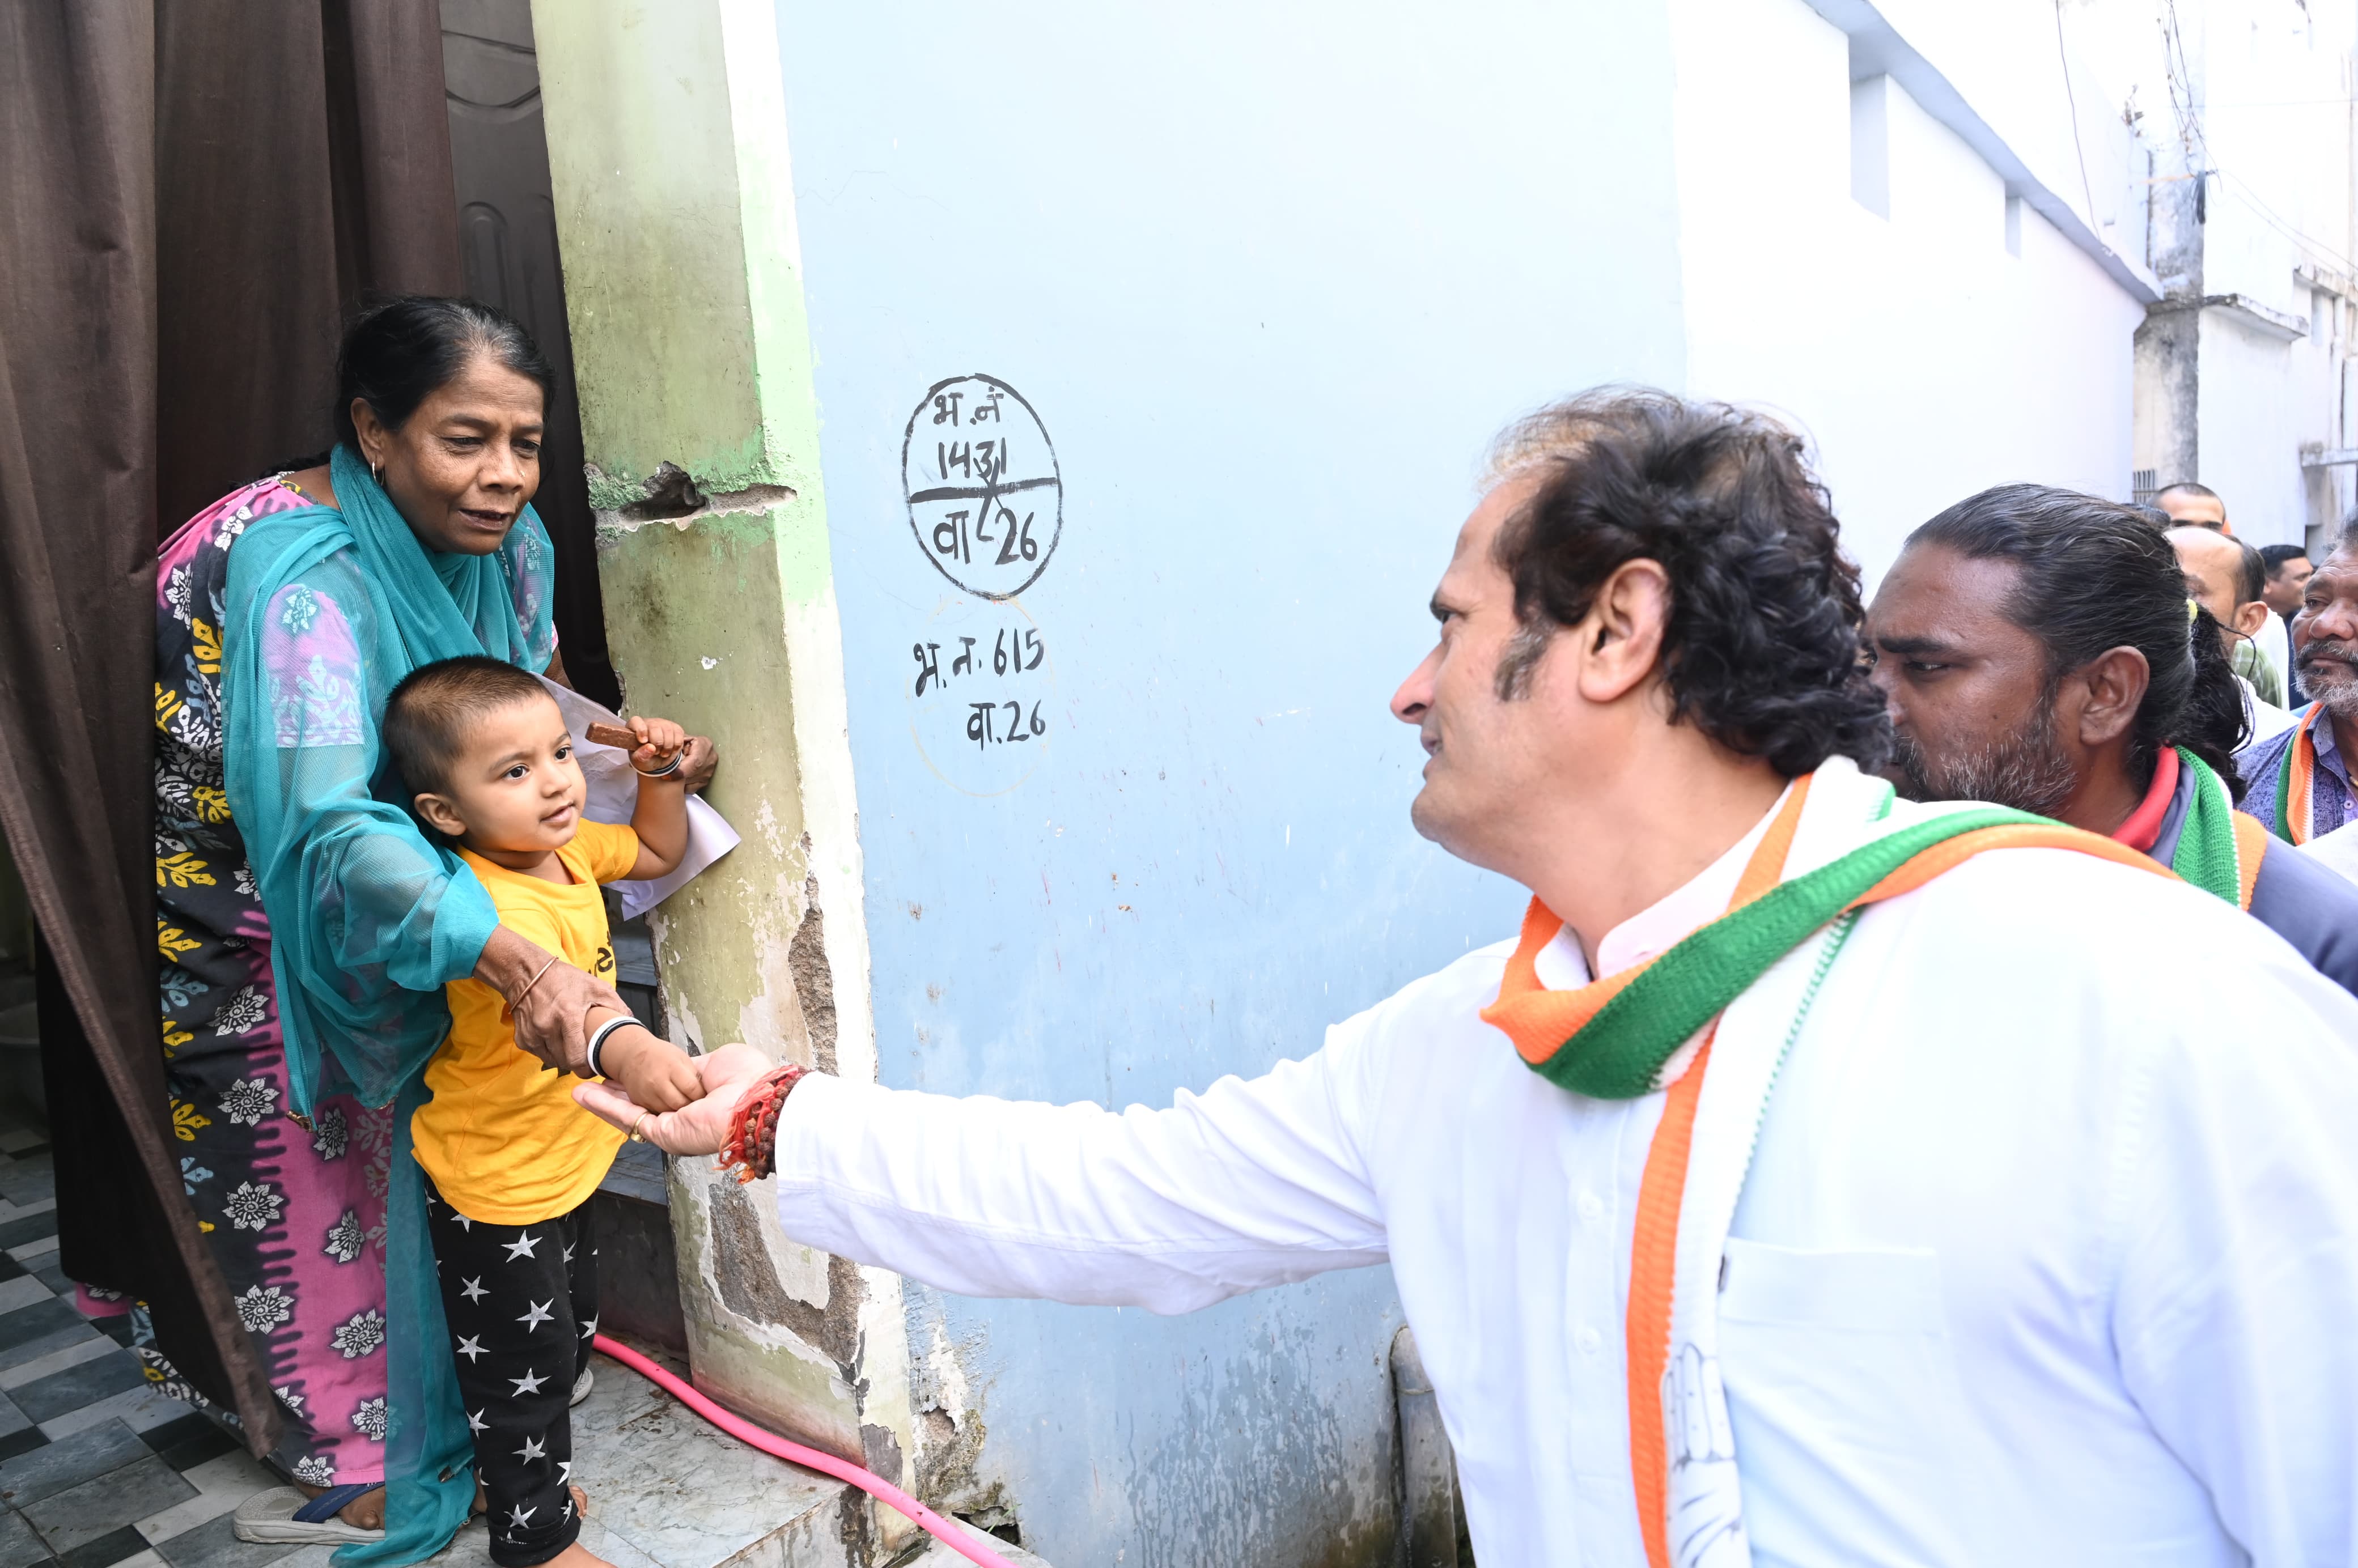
528,985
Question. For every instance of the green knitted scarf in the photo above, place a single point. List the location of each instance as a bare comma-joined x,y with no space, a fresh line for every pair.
1617,1051
2205,855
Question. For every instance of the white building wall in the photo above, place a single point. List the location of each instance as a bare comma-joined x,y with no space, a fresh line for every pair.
2274,116
2274,128
2034,84
2250,100
2250,416
1924,358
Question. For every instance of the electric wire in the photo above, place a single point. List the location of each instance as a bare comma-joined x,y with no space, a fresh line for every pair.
2197,146
2063,59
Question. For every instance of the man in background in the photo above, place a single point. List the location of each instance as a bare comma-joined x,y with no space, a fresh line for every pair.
2034,647
2224,576
2300,778
2253,657
2288,571
2197,505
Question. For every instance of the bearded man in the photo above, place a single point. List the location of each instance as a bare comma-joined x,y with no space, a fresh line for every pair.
2300,779
1820,1175
2038,649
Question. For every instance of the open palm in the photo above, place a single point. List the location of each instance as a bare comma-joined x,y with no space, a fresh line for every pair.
701,1126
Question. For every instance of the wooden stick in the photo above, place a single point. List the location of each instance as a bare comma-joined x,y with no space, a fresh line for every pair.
612,735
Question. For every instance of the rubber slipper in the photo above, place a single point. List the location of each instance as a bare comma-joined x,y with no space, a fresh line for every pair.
583,1384
284,1516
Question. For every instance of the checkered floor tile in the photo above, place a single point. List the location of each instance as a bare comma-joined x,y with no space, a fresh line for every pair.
97,1470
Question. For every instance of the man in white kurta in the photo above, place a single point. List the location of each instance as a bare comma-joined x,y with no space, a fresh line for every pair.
2038,1256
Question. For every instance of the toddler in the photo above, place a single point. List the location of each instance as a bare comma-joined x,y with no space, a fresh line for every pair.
511,1162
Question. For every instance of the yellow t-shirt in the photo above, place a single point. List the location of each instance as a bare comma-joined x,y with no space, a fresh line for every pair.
502,1137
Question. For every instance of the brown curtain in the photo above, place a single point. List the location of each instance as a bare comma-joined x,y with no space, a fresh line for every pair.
302,160
197,191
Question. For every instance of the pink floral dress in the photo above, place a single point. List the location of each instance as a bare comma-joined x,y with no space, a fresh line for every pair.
295,1210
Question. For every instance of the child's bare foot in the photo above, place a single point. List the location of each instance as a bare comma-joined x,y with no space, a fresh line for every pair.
364,1512
580,1501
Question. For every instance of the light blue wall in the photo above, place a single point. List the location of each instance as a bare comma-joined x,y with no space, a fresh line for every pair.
1271,276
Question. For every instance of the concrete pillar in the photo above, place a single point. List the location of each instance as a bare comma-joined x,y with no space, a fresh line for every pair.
668,150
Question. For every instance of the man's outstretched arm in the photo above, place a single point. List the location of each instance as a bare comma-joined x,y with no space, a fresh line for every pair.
1250,1184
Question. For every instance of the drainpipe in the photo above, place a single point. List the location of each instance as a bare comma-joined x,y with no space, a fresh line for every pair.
1432,1518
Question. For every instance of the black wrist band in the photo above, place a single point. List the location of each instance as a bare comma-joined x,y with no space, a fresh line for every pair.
666,769
598,1039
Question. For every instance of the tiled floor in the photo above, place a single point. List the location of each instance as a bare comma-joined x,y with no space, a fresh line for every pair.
96,1470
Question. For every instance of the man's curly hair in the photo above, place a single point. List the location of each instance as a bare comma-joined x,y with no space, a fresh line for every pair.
1763,652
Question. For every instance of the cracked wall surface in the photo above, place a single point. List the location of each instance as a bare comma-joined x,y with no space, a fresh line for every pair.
669,167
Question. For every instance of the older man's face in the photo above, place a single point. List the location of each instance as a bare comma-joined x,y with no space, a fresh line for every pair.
2325,636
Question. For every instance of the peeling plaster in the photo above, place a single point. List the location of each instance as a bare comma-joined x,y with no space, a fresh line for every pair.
814,983
753,1286
631,516
673,198
949,1426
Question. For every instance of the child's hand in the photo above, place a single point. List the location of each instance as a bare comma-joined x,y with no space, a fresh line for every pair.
655,1073
659,742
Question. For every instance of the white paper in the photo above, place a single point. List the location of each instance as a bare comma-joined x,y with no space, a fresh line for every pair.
614,794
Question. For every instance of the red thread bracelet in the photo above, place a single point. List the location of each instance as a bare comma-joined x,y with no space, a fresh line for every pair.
751,1148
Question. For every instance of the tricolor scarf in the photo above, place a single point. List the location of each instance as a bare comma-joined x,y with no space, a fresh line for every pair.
1654,1027
2219,848
2297,780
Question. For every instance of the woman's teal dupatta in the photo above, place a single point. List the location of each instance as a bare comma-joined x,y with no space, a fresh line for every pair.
327,609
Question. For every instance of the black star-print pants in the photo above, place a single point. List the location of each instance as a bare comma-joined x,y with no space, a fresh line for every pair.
522,1301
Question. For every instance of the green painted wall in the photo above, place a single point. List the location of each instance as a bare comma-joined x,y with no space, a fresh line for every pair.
675,600
641,149
669,158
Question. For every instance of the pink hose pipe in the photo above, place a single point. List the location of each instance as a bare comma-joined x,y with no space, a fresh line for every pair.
744,1431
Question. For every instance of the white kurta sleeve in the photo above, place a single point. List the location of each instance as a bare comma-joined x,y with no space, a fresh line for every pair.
2238,1285
1248,1184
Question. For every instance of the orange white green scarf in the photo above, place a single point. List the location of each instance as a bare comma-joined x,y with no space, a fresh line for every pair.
2297,780
2219,848
1627,1035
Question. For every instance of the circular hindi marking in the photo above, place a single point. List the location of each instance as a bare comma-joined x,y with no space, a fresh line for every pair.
986,498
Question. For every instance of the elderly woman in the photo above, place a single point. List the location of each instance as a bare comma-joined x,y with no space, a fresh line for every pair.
306,925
